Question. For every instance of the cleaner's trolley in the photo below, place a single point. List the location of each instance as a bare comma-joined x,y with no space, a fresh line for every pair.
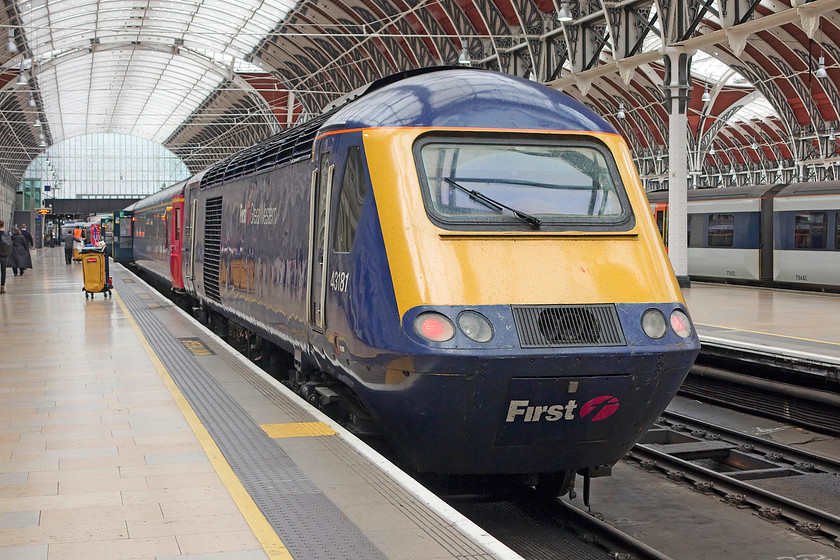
94,271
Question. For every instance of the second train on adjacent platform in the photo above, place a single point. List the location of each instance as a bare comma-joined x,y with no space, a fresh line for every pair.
464,259
785,235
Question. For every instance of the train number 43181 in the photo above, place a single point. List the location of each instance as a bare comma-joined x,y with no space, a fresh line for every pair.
339,281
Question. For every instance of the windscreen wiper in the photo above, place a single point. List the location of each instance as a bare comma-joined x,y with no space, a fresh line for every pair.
535,222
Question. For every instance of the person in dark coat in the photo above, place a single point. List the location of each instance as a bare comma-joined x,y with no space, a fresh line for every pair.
69,239
20,259
3,259
28,236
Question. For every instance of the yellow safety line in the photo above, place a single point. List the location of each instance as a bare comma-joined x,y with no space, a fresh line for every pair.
265,533
297,429
768,334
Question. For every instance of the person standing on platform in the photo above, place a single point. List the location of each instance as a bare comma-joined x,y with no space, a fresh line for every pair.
27,236
20,259
69,239
5,251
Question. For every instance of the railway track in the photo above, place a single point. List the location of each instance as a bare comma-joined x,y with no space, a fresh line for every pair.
776,481
779,483
539,528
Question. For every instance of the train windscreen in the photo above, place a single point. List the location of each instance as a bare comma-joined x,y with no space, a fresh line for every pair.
539,183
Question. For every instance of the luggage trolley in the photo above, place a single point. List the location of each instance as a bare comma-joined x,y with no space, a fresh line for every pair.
94,267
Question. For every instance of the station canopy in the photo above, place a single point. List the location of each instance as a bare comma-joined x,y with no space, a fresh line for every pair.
206,78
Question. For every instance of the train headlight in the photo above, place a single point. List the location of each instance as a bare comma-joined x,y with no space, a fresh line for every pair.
653,323
475,325
434,326
681,324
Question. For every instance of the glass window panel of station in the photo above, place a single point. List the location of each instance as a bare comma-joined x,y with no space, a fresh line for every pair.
69,70
107,166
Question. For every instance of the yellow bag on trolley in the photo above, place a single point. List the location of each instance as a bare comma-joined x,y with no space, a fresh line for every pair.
93,271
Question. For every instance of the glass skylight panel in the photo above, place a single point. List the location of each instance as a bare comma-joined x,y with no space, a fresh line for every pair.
239,65
710,69
758,109
151,91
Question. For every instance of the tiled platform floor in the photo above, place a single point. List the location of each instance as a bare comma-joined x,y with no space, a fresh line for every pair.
96,460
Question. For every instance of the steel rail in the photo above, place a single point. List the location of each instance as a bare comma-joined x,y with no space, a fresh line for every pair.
820,462
807,519
616,541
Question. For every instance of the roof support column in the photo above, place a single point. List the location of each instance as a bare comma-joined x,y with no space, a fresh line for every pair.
677,89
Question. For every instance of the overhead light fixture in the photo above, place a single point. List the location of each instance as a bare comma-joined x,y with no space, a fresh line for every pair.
21,79
706,97
754,145
821,73
31,101
712,151
564,15
464,59
37,122
620,114
11,46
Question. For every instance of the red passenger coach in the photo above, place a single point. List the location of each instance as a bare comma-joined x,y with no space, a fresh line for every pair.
157,234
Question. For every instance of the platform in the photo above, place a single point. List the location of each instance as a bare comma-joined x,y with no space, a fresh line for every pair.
128,431
801,325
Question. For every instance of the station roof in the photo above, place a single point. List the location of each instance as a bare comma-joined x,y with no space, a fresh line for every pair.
206,78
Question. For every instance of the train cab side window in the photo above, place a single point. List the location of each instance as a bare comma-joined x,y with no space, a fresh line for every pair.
721,230
321,207
353,192
810,230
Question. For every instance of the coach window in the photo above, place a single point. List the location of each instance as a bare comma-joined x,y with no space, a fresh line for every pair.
721,230
809,230
837,231
353,191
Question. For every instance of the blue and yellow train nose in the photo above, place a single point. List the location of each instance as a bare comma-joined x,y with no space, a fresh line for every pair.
540,312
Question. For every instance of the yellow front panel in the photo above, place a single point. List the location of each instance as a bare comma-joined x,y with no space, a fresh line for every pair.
434,266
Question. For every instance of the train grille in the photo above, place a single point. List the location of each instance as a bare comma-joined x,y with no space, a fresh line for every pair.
212,246
556,326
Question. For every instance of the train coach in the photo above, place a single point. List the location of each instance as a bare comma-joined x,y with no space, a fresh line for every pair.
462,258
784,235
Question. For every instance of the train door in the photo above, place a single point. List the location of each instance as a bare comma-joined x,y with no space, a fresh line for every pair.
188,233
319,233
660,213
176,240
122,249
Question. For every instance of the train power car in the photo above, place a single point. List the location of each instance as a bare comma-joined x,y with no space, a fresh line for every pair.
783,235
463,258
